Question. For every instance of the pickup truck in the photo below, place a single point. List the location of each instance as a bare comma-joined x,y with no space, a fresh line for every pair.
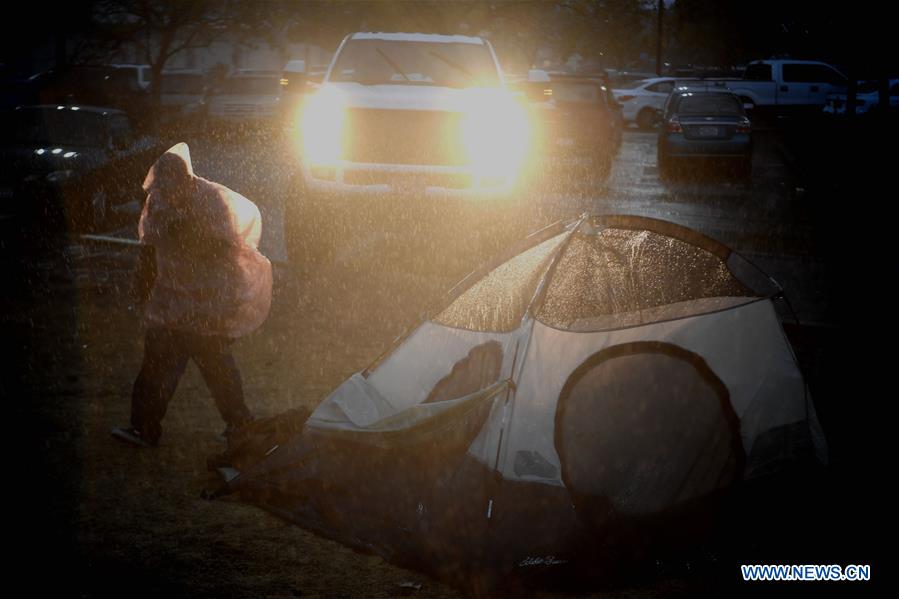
247,97
406,119
785,84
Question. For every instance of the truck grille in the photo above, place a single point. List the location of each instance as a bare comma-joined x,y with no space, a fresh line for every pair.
420,137
373,177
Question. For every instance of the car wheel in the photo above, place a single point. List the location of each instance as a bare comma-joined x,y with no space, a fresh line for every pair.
647,118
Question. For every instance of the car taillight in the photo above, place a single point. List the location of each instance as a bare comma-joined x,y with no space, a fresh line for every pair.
674,125
625,98
744,126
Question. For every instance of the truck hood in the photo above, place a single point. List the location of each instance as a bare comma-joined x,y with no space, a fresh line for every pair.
408,97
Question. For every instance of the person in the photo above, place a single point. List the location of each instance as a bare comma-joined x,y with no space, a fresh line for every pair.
207,285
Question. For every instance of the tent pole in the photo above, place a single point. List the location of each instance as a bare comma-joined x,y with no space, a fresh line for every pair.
515,374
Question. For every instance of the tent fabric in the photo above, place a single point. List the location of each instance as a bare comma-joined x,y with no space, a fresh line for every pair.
498,301
645,377
623,272
743,346
211,278
682,438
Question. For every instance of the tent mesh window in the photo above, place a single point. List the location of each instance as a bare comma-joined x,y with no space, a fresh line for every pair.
498,301
625,277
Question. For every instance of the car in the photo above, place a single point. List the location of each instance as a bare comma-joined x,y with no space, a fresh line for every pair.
407,118
143,72
293,76
627,79
247,97
574,116
786,85
704,122
867,97
107,86
643,103
294,86
182,94
78,163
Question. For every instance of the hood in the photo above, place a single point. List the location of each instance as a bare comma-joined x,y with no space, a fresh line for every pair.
173,171
410,97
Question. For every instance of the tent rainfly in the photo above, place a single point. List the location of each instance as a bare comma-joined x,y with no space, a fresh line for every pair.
608,374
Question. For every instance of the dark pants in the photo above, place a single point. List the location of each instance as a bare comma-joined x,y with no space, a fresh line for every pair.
165,358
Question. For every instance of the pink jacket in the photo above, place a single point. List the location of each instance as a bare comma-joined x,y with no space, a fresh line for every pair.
210,277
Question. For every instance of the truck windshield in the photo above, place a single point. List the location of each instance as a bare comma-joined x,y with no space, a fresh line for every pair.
377,62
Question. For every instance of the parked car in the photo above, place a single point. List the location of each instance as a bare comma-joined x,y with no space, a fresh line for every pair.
182,94
77,162
787,84
108,86
627,79
643,103
294,87
249,97
293,76
143,72
867,97
574,116
701,123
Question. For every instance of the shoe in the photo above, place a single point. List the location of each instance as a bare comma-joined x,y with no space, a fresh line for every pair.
131,436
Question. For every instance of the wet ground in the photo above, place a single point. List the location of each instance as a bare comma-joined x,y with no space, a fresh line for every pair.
101,515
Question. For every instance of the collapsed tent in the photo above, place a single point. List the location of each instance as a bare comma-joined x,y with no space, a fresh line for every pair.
605,376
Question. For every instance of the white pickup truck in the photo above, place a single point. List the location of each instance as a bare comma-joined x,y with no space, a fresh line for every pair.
785,83
405,119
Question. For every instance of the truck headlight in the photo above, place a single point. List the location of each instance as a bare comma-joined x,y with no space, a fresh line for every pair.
495,135
321,127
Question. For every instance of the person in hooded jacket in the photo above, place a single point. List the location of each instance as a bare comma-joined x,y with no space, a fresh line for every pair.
208,285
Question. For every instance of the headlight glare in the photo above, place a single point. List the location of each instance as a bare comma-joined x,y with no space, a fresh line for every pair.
321,127
495,135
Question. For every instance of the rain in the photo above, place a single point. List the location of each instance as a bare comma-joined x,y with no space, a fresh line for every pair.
453,197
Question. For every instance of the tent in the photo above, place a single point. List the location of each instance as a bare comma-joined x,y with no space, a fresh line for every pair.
607,376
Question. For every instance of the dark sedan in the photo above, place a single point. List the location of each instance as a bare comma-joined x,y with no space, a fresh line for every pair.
72,164
704,124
